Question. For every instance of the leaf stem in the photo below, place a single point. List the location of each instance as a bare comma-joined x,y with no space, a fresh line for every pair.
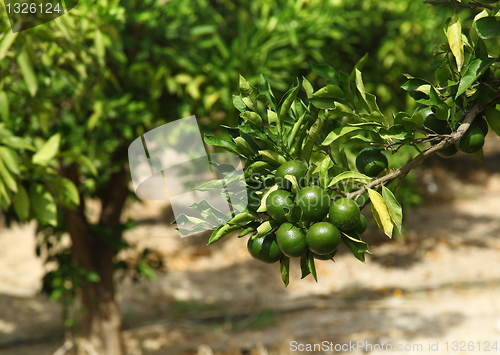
455,136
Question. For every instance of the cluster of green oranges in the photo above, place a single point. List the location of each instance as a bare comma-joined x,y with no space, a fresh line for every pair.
471,142
317,228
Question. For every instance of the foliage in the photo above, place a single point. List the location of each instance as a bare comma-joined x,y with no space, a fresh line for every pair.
337,120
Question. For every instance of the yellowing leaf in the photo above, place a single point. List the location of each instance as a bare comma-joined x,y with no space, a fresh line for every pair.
455,40
381,212
395,210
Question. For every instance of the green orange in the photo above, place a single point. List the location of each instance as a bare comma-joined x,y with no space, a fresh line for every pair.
447,152
291,240
344,214
314,202
278,203
471,141
295,168
323,238
371,161
265,249
436,125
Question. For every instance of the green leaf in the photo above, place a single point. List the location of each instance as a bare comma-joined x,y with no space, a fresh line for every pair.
27,72
396,132
307,87
381,212
304,267
252,118
473,72
265,228
242,219
48,151
330,92
238,103
275,126
348,175
339,133
93,277
221,231
354,243
327,72
257,168
311,266
245,88
43,204
243,148
95,116
493,118
7,177
146,271
285,269
221,143
4,107
21,203
293,181
10,159
487,27
455,40
263,207
311,139
64,191
7,40
272,157
287,101
265,90
361,90
395,210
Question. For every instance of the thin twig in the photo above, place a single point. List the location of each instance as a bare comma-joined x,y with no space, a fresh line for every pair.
475,5
455,136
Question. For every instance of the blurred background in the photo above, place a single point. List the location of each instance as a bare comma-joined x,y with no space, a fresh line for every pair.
111,70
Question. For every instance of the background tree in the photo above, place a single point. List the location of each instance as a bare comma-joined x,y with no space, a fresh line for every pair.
76,91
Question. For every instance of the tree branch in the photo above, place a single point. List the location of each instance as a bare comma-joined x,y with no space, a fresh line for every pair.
455,136
474,5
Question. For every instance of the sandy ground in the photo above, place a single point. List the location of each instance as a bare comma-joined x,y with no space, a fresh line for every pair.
439,284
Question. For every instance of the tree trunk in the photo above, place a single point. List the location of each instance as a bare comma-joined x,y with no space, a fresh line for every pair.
100,318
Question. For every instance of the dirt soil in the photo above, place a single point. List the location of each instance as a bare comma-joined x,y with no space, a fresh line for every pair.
439,284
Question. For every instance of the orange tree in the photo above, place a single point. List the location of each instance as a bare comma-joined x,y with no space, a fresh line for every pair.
317,156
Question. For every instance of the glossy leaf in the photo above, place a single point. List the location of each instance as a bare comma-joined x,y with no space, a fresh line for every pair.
348,175
395,210
285,269
222,231
327,72
487,27
252,118
493,118
221,143
473,72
